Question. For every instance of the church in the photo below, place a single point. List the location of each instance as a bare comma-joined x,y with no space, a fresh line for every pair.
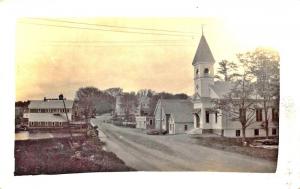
207,89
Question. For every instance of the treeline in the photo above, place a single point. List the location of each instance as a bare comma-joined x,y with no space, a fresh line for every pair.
92,100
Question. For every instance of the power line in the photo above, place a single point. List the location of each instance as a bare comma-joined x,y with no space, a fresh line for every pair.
124,27
118,42
108,30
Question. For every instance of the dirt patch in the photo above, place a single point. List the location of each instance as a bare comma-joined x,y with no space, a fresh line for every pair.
59,156
235,145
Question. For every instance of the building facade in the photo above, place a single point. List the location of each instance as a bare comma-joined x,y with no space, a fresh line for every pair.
174,115
49,113
206,120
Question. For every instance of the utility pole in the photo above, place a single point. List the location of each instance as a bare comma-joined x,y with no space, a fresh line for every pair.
61,97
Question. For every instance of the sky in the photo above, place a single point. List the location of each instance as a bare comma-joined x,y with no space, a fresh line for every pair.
60,55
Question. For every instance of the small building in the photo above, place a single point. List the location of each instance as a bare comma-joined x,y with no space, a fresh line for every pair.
174,115
49,113
144,122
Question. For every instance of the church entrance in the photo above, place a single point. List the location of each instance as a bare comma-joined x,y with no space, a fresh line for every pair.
197,120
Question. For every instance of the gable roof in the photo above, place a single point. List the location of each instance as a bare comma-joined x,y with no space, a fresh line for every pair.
50,104
203,53
181,110
222,88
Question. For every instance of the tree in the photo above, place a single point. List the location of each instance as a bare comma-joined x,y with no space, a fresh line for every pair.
129,103
264,65
227,71
114,91
238,104
86,97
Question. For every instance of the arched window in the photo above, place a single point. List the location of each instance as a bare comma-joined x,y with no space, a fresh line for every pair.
206,71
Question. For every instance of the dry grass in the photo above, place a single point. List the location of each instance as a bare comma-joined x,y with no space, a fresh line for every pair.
56,156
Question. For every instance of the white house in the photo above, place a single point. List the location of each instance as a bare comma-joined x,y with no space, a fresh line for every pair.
206,89
174,115
49,113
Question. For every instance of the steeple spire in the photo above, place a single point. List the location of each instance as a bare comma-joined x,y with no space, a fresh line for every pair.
203,53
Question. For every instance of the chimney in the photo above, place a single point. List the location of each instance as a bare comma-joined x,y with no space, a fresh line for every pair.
61,97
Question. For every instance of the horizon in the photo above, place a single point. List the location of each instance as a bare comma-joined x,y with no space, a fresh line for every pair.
62,55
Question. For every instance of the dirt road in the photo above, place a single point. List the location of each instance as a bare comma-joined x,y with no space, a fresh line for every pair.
173,152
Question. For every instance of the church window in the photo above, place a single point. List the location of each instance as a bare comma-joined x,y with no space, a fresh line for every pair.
259,114
216,117
274,131
237,133
206,71
256,132
207,116
275,115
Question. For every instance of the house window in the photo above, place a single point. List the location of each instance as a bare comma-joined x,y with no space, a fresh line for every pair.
185,127
31,123
150,121
259,114
275,115
216,117
274,131
256,132
237,133
53,123
207,116
60,123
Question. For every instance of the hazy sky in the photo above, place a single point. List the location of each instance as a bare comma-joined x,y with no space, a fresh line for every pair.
67,55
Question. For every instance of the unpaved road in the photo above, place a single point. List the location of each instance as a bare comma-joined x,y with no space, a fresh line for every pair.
173,152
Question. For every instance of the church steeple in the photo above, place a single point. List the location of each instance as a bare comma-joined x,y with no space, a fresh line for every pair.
203,53
203,68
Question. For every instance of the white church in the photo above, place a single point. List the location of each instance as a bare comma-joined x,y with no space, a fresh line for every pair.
206,89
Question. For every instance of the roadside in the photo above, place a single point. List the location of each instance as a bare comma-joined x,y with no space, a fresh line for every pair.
175,152
60,156
234,145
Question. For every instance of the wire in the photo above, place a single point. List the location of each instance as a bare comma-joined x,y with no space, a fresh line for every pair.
108,30
124,27
115,42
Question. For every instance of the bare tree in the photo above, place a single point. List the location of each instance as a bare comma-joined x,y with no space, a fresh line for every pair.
264,65
239,105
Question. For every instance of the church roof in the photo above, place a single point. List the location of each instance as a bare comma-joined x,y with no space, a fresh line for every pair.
203,53
222,88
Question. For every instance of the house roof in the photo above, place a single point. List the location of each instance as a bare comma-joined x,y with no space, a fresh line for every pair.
181,110
48,117
50,104
203,53
222,88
